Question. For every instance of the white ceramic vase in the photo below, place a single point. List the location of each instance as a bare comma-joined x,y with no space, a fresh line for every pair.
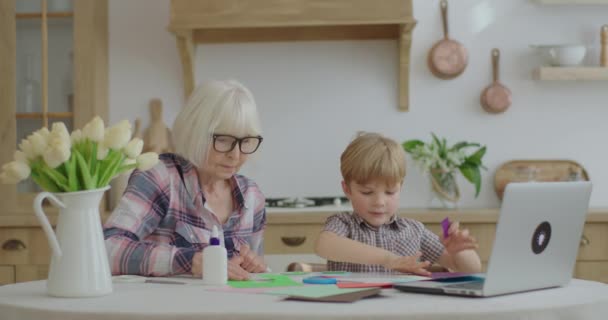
79,264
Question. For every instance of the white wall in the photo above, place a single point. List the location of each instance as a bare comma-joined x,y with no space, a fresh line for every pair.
314,96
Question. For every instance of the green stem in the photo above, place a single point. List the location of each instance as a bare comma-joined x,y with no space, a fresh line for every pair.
85,173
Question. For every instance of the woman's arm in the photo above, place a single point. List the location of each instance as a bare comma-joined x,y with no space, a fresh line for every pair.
137,215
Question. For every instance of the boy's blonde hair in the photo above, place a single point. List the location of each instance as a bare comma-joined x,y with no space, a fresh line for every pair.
372,156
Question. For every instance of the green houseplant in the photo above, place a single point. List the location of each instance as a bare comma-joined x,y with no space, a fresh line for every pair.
442,162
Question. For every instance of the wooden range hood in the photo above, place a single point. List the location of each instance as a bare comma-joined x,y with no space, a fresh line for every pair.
221,21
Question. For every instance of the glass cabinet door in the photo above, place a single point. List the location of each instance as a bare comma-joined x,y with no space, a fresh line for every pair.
44,70
53,67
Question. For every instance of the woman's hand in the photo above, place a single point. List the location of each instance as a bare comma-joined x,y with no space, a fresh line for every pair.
197,264
235,271
458,240
251,261
409,264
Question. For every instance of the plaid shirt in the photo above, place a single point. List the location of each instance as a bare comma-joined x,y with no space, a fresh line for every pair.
400,236
161,220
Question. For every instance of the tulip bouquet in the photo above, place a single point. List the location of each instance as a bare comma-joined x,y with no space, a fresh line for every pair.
87,159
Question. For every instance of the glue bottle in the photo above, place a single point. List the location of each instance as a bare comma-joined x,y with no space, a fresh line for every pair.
215,261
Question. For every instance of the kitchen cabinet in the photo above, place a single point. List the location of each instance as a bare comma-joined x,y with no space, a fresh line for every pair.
295,234
221,21
25,254
53,67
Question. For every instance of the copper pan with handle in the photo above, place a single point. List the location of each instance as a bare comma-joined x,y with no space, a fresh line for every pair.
496,98
448,58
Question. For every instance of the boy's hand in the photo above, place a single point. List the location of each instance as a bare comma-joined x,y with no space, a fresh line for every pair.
251,262
458,240
409,264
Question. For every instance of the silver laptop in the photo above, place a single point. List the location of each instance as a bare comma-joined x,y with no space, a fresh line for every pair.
537,240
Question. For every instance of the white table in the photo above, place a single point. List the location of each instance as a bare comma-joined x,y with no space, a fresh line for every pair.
579,300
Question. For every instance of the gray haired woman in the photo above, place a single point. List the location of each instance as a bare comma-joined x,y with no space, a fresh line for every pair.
165,217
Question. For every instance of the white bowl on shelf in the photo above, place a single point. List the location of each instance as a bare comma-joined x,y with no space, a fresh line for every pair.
562,55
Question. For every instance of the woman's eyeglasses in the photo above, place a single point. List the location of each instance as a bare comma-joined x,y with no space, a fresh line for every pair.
225,143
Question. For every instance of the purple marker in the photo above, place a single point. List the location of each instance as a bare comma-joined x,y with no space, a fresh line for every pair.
445,225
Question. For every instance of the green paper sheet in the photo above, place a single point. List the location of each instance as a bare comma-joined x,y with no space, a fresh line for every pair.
295,273
314,291
275,280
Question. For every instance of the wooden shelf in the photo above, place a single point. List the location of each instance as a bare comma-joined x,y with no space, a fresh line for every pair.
221,21
571,74
572,2
50,115
38,15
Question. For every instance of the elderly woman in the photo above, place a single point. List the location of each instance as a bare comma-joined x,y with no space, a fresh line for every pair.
165,217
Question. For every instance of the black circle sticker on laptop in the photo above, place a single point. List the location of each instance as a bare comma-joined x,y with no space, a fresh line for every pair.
541,237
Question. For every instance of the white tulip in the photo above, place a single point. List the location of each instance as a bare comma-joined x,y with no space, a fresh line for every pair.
38,141
57,153
147,160
118,136
102,151
6,179
27,148
129,161
76,136
94,130
133,148
15,171
59,130
44,132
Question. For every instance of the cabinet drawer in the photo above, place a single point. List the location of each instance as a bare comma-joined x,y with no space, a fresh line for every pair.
286,239
596,271
23,246
7,275
594,242
26,273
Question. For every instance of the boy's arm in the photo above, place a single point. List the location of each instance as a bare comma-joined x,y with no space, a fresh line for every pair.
463,261
337,248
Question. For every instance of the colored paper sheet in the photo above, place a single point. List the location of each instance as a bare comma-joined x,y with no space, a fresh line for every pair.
348,285
265,281
314,291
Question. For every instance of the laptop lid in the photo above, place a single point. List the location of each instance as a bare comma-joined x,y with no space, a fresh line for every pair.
537,236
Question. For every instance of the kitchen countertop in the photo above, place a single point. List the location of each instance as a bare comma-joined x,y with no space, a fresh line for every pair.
316,215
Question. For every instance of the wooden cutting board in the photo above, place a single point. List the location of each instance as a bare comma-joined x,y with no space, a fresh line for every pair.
537,170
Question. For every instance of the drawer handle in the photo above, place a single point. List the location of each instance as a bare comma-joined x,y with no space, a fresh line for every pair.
584,241
293,241
13,245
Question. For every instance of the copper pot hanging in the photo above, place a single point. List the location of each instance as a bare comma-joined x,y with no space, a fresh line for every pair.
496,98
448,58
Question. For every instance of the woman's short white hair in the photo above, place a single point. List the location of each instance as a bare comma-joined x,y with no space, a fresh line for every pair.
215,107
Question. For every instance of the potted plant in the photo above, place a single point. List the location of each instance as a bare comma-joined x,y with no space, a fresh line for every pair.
75,170
442,162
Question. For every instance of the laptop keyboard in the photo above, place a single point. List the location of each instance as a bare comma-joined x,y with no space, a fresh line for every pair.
473,285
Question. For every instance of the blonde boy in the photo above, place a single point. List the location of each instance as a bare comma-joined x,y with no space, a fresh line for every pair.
372,238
